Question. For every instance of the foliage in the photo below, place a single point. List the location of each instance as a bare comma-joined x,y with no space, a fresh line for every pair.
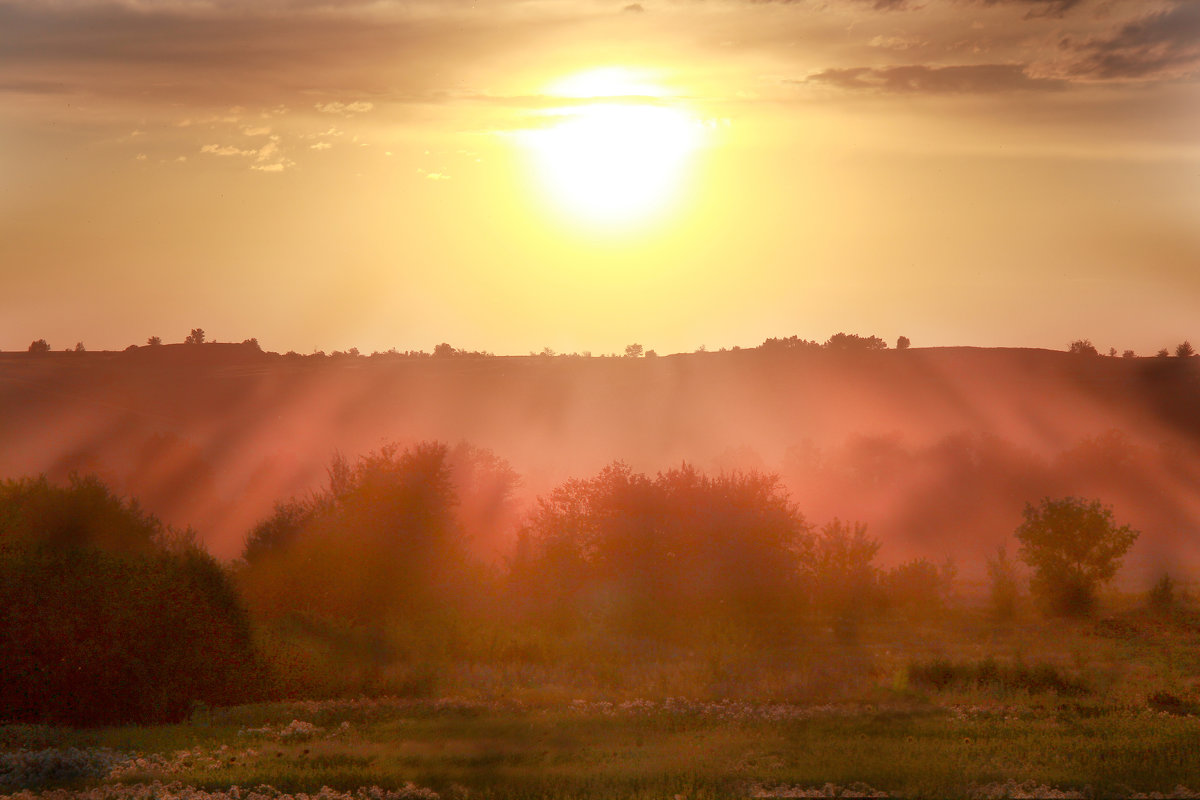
844,582
1161,598
154,341
106,617
1185,350
633,350
195,337
39,346
903,343
793,343
918,585
662,556
1073,546
1083,347
940,674
852,341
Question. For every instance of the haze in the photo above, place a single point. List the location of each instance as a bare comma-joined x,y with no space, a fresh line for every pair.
336,175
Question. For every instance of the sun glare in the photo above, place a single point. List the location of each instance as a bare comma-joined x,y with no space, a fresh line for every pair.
619,157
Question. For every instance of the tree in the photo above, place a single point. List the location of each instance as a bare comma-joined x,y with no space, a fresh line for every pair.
195,337
1083,347
1163,353
852,341
1073,546
39,346
154,341
444,350
633,350
903,343
79,348
1129,354
1185,350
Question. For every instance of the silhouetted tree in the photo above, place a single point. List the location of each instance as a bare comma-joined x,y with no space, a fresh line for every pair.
444,350
39,346
633,350
1129,354
154,341
1073,546
1083,347
788,343
651,354
1163,353
852,341
903,343
195,337
79,348
1185,350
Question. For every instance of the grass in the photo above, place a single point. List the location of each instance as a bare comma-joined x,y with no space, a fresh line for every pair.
957,707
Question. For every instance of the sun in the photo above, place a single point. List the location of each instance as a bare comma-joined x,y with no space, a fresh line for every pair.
617,149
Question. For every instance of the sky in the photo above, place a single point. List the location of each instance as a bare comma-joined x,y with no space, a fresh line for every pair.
510,175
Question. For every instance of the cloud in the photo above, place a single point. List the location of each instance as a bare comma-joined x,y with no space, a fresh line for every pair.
1161,46
922,79
320,146
1039,8
344,109
226,150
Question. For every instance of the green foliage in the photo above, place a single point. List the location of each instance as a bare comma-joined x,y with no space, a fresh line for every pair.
1073,546
106,617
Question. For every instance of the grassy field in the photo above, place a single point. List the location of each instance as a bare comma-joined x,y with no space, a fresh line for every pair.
954,708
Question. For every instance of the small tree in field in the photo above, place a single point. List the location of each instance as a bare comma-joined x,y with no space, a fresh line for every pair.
1083,347
39,346
1073,546
195,337
1185,350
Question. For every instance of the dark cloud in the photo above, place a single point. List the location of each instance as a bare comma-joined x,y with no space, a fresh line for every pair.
1039,8
1161,46
922,79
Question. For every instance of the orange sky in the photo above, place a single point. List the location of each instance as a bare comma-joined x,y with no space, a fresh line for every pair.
376,174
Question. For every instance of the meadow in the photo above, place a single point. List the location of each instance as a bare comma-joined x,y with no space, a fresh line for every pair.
953,706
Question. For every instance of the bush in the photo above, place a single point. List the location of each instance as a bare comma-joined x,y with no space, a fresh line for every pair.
941,674
1003,591
105,618
1073,546
672,556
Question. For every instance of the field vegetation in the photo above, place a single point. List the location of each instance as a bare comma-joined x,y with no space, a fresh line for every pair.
681,634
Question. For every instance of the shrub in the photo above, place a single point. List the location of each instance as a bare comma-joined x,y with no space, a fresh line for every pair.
940,674
1073,546
1004,587
105,618
670,556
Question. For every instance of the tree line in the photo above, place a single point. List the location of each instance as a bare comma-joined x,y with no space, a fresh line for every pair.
107,615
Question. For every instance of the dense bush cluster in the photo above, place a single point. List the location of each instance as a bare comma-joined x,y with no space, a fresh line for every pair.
107,617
